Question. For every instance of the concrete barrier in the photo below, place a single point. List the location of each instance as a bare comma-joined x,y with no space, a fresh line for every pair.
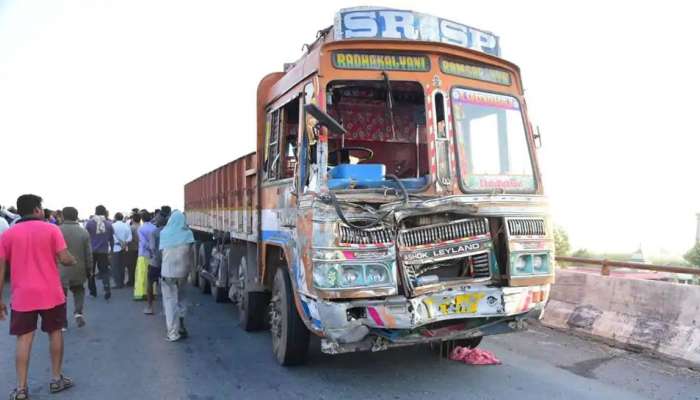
660,317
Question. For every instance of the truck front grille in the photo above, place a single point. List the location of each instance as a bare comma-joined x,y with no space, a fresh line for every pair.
475,266
480,265
439,233
348,235
526,227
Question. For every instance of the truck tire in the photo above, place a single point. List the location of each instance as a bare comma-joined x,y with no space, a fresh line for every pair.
290,338
194,274
219,294
203,282
204,285
252,306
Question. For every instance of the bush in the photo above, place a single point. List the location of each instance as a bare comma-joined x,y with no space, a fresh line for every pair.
693,255
561,242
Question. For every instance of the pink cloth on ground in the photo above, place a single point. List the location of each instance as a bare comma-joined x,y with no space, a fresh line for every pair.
30,249
474,356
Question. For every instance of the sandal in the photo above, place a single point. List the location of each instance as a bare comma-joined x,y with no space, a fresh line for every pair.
19,394
60,384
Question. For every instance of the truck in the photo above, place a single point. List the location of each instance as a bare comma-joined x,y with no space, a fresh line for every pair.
394,197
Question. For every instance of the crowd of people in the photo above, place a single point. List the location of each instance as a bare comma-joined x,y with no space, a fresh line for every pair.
49,254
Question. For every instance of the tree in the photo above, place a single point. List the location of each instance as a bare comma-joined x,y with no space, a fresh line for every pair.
561,241
583,253
693,255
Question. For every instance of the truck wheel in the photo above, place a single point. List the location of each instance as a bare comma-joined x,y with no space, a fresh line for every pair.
203,282
252,306
219,294
290,338
194,274
204,285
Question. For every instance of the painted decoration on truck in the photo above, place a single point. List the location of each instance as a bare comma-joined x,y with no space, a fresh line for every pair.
473,97
380,61
473,71
391,24
505,182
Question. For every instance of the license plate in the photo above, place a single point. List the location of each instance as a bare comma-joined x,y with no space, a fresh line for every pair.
479,302
467,303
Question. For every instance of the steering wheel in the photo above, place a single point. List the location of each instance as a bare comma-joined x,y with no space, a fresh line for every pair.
345,154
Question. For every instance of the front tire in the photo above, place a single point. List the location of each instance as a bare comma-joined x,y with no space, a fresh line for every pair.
290,338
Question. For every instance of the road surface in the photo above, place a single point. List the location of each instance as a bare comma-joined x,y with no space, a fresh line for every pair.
122,354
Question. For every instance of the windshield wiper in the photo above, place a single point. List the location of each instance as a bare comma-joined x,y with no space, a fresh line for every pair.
390,104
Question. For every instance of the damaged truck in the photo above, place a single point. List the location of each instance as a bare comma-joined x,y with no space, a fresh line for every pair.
394,198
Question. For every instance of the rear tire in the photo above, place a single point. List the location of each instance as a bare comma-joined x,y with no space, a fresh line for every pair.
204,285
219,294
194,274
252,306
290,338
203,282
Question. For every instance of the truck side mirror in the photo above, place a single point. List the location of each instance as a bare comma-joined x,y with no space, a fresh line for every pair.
324,119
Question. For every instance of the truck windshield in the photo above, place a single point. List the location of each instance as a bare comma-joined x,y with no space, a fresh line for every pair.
384,136
491,142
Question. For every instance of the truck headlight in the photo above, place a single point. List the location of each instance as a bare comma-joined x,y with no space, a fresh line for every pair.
529,264
351,276
539,263
377,274
521,264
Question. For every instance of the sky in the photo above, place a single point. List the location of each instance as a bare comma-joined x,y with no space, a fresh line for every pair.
123,102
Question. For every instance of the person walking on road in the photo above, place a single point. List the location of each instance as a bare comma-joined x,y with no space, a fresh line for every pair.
154,267
141,282
73,277
122,238
132,249
102,240
31,248
176,247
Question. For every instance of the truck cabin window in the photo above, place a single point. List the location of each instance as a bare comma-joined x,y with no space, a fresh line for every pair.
386,134
491,142
281,135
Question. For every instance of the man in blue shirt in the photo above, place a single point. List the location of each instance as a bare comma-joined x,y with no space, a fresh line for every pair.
102,241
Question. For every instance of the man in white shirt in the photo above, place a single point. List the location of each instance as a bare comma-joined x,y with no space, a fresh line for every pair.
122,237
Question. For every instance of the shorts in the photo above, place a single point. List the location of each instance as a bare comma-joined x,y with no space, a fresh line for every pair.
23,322
153,274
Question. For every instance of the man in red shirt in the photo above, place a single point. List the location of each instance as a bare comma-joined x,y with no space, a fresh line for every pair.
30,248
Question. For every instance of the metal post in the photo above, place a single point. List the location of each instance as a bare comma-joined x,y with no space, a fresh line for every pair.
605,271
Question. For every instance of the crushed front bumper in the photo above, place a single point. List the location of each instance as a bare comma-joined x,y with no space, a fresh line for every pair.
456,313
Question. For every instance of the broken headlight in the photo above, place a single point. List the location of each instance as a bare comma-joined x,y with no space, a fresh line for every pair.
352,276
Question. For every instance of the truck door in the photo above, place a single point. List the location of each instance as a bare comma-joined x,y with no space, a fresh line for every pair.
278,205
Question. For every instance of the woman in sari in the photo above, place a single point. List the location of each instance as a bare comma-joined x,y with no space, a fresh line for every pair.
176,241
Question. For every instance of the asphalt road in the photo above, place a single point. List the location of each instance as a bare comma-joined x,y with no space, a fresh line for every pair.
122,354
